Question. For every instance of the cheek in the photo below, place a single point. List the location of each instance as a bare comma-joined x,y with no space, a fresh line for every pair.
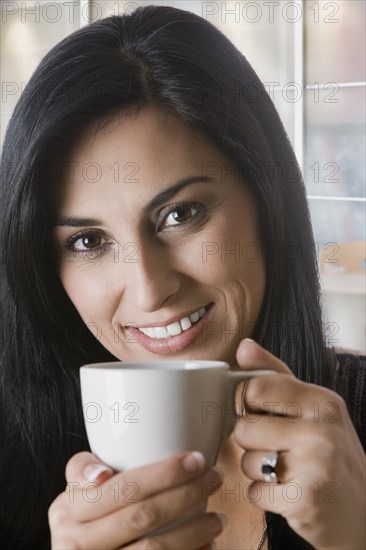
86,292
230,255
254,278
231,249
230,265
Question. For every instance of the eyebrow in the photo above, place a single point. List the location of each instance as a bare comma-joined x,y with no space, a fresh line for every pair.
156,201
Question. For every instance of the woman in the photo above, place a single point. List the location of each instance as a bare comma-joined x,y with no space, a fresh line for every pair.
131,121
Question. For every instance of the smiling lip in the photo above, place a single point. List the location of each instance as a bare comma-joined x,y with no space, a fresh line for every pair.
173,344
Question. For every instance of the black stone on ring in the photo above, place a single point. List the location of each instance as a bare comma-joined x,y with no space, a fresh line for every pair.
269,467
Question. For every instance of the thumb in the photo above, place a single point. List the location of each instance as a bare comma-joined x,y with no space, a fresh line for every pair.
251,356
85,467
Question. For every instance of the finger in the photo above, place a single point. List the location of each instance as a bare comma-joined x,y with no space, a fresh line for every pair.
96,500
277,394
195,534
287,396
251,356
273,497
134,521
252,461
84,467
263,431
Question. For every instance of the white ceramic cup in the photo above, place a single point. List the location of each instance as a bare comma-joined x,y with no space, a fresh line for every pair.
137,413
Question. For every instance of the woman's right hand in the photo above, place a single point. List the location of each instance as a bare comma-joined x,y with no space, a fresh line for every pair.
103,510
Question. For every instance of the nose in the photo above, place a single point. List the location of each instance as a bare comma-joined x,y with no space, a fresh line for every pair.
152,278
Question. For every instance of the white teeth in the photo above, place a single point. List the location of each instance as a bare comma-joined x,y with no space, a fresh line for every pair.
160,332
185,323
174,328
202,311
195,316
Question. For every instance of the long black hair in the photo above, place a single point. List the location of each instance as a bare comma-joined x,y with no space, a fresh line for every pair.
180,62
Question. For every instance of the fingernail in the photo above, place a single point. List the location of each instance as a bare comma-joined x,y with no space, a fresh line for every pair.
92,471
214,475
217,523
193,462
249,340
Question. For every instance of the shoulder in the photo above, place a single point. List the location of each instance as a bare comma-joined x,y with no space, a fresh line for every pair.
350,383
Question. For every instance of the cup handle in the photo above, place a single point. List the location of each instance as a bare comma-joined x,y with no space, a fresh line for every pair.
235,377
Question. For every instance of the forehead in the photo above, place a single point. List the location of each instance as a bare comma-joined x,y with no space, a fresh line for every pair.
134,153
145,137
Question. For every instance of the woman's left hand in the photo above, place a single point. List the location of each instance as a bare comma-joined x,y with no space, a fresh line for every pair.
321,463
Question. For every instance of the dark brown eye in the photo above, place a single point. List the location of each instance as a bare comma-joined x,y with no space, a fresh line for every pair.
88,242
91,242
180,214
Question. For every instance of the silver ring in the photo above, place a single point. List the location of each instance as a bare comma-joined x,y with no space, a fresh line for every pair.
269,467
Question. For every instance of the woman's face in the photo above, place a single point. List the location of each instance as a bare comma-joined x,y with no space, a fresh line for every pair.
139,250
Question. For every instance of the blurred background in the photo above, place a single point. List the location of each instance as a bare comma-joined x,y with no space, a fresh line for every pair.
311,58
